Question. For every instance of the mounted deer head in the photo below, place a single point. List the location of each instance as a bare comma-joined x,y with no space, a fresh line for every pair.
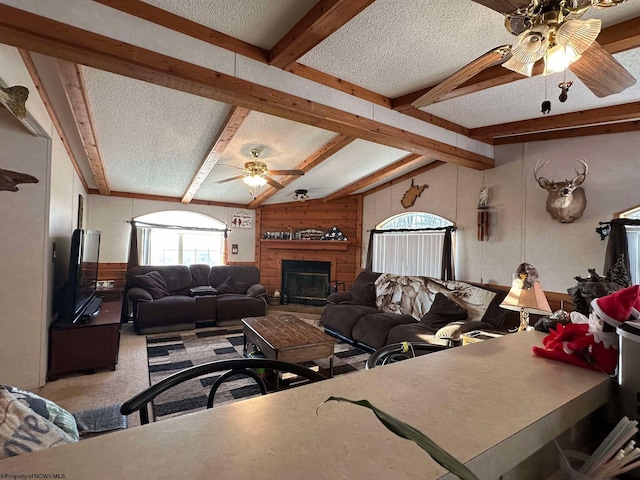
565,200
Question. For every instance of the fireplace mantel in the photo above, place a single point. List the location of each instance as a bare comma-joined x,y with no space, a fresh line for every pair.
306,244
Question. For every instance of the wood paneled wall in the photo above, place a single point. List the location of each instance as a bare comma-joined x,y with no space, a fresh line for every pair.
113,271
346,214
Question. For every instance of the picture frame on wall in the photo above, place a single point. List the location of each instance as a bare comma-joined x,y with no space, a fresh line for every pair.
80,211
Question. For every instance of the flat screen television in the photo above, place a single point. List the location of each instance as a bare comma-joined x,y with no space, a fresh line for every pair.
79,297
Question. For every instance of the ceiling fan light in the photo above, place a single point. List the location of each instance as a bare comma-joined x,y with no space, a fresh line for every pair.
530,46
559,58
578,34
520,67
254,181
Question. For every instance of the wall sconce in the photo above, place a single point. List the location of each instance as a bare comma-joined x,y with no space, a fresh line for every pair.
300,195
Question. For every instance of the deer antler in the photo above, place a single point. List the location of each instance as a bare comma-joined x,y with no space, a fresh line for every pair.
538,168
582,160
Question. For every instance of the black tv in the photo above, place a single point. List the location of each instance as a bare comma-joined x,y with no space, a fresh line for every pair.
79,297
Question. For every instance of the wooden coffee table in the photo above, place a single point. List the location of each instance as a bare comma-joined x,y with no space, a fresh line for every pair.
287,338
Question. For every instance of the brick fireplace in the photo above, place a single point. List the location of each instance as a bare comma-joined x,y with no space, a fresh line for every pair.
306,281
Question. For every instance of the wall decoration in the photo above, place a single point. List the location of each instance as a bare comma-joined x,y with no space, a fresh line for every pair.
411,195
242,220
9,180
565,200
483,214
80,211
15,99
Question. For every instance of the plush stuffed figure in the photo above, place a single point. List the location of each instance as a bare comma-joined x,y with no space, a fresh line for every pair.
592,342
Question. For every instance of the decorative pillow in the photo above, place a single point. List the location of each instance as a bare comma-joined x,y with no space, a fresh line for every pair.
443,311
363,294
153,283
16,418
231,286
47,409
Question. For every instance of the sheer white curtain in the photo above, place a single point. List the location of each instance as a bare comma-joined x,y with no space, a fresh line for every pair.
633,239
408,253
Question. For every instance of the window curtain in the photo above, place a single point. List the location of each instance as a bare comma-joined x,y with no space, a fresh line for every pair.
618,246
426,252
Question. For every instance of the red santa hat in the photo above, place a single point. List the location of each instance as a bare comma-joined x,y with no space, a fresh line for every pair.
618,307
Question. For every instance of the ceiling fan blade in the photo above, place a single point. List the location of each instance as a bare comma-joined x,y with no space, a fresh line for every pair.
273,183
601,73
503,6
230,179
489,59
286,172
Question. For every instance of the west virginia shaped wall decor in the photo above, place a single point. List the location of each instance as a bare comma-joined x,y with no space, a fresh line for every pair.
411,195
9,180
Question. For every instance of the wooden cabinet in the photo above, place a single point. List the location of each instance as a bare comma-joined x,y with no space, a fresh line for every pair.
84,347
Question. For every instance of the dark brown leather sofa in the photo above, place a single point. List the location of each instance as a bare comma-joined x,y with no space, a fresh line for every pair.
179,297
355,316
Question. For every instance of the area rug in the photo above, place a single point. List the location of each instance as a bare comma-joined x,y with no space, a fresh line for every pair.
169,353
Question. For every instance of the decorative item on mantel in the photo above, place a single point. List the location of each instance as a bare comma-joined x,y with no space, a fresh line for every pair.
410,196
483,214
334,233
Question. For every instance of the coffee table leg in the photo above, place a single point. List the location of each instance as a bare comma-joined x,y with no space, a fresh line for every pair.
331,366
244,344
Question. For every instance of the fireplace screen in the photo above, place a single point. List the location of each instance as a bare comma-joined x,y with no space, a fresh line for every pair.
306,281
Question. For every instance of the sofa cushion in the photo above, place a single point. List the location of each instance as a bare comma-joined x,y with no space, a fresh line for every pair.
231,286
153,283
236,306
200,275
177,277
167,311
373,329
413,332
341,318
240,273
443,311
363,294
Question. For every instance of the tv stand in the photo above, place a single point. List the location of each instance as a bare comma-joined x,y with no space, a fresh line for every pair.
84,346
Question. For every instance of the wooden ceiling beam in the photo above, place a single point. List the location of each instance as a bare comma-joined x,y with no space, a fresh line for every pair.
33,32
31,68
323,19
330,148
230,127
156,15
389,171
613,113
406,176
575,132
164,198
74,87
615,39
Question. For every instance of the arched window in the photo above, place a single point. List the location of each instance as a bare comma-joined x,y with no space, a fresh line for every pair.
180,238
410,244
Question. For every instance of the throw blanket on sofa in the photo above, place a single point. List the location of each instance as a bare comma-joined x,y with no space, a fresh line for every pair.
413,296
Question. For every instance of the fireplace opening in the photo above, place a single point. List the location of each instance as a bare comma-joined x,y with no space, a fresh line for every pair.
306,281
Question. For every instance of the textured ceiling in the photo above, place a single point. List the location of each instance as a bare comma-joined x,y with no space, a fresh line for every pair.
153,139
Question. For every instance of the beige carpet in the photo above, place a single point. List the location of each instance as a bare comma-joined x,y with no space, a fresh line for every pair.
79,391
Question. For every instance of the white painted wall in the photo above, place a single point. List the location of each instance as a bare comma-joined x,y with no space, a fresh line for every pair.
110,216
521,229
33,219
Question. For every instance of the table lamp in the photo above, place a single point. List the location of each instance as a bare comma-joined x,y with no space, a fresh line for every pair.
526,295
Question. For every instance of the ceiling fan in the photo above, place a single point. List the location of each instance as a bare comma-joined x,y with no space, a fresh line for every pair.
550,30
256,174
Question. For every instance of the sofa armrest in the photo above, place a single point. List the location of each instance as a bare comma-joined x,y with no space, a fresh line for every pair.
339,297
455,329
256,290
138,294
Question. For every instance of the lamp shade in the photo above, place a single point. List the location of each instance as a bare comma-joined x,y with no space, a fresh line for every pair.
254,180
532,299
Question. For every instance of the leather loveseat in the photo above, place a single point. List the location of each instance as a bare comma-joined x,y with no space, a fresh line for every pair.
179,297
382,309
